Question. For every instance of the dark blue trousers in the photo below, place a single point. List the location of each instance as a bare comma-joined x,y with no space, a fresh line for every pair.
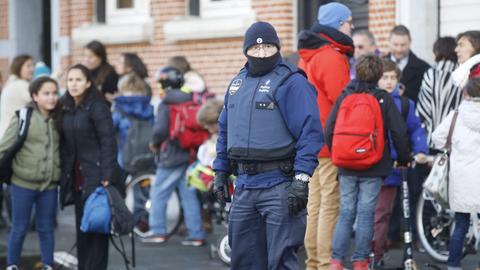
262,234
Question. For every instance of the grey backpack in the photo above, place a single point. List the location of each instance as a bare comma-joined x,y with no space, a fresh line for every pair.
136,153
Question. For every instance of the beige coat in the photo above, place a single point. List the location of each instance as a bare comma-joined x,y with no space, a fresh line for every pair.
15,95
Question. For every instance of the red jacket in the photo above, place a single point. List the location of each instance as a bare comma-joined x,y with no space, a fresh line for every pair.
323,57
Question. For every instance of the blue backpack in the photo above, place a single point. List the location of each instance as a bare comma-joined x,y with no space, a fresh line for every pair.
97,213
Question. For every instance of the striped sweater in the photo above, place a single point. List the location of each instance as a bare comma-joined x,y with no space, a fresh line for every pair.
438,96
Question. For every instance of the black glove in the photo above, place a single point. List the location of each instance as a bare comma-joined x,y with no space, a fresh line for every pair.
297,197
220,187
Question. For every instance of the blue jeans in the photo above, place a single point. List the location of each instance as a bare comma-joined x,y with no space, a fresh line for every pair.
262,234
358,198
167,179
462,223
45,210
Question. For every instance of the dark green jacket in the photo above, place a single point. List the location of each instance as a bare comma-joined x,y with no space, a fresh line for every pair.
37,165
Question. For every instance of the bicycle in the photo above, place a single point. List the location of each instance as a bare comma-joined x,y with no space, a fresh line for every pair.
435,226
138,198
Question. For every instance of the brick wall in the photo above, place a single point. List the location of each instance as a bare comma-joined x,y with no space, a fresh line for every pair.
3,19
381,19
216,59
4,36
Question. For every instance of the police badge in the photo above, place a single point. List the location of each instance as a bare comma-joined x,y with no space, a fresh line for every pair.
235,86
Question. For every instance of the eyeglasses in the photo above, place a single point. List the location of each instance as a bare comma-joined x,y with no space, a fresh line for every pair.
265,47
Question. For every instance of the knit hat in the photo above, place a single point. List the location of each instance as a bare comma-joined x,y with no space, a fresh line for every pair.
333,14
260,33
41,69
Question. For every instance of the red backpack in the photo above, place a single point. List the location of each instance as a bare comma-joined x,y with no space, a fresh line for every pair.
184,126
358,137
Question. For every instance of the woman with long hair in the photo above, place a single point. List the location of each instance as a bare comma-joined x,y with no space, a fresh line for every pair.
88,155
15,94
438,94
129,63
103,74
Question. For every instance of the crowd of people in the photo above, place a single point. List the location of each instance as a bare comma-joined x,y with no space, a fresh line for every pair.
291,136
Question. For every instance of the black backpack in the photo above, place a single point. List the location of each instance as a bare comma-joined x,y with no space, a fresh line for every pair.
121,223
136,153
24,115
405,107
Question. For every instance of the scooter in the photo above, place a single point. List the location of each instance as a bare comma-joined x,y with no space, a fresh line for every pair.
408,261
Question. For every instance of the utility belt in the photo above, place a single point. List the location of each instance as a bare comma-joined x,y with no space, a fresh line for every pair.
256,167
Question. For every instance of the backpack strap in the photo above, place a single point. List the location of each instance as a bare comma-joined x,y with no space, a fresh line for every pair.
24,115
405,107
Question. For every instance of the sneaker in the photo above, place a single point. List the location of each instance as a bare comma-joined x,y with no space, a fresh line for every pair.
154,239
360,265
46,267
335,265
193,242
12,267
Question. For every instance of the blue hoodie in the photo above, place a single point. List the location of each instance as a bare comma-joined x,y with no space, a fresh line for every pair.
416,134
134,106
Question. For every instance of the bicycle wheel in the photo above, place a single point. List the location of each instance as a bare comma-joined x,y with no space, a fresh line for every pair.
434,226
138,201
224,250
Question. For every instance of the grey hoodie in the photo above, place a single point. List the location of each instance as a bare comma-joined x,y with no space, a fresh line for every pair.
171,155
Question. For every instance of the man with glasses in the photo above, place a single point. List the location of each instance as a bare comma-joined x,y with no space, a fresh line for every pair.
269,136
324,52
364,43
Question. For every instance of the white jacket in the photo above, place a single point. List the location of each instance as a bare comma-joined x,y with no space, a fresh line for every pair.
464,185
15,95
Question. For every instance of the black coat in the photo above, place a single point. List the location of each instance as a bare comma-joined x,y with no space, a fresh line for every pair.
87,136
393,124
412,76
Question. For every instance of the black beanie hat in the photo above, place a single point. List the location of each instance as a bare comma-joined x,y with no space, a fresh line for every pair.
260,33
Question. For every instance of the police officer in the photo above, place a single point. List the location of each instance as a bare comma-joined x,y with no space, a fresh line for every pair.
269,136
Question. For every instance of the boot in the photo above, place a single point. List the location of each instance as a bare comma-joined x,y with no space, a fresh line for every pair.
361,265
335,265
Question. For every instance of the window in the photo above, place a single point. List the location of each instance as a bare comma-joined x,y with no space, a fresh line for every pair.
124,3
194,8
211,19
118,22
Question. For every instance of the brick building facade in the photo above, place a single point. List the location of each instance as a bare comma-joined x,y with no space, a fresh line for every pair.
208,32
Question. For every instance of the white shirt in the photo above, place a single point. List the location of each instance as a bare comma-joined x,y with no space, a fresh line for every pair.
402,63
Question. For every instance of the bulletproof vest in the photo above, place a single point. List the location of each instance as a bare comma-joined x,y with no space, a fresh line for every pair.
256,129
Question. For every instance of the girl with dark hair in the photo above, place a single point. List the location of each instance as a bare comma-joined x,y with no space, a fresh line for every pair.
88,158
103,74
464,183
36,172
15,93
468,52
438,93
132,63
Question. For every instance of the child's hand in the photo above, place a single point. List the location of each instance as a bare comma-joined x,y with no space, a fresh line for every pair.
420,158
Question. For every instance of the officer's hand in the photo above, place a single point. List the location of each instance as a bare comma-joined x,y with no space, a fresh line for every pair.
297,197
220,187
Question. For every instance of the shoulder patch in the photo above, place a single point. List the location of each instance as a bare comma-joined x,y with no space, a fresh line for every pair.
236,84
